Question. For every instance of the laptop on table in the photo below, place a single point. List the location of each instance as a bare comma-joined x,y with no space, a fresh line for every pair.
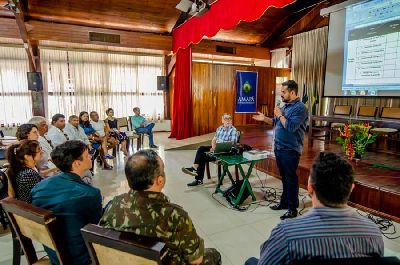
222,148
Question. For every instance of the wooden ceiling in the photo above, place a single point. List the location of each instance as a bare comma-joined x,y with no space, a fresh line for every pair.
148,23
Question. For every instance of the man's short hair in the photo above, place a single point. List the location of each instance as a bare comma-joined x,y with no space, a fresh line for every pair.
332,178
291,86
65,154
142,168
72,117
226,115
56,117
92,112
36,120
136,108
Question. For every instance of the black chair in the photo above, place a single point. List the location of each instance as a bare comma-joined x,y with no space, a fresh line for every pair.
350,261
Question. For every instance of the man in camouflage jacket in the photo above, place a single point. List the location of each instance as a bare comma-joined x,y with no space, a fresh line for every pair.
146,211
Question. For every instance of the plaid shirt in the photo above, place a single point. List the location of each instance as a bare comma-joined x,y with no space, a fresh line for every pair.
226,134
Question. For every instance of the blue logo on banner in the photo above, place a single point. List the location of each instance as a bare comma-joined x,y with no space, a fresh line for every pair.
246,92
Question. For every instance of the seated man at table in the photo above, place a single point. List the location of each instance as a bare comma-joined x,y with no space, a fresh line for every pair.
141,126
330,229
146,211
74,202
225,133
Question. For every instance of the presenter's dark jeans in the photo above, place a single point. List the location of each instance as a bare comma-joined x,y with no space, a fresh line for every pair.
288,161
201,159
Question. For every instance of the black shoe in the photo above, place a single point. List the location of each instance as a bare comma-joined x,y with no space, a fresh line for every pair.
190,171
278,206
195,183
153,146
289,214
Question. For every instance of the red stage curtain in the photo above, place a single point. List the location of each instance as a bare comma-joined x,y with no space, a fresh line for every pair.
223,14
182,114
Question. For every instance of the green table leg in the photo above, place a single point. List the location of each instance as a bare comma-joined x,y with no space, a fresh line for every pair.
221,179
245,185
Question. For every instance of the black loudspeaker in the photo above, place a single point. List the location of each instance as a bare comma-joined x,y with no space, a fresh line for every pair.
162,83
35,81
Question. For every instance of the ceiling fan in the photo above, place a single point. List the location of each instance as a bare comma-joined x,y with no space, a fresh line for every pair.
193,7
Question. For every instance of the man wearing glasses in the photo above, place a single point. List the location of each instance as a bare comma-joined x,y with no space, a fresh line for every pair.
225,133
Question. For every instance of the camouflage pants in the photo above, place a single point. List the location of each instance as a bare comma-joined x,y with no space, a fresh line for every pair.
211,257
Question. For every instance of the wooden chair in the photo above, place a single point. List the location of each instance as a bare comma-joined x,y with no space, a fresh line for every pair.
342,110
123,124
367,111
387,135
140,139
108,246
34,223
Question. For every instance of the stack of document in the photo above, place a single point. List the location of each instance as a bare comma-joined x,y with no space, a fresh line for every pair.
256,154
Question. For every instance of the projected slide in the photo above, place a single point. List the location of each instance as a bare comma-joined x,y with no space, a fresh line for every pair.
372,49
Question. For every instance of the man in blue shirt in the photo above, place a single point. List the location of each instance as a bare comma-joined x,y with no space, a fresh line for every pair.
330,229
74,202
225,133
141,126
290,124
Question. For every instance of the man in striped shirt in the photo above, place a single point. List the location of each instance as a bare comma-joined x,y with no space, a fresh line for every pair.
225,133
331,229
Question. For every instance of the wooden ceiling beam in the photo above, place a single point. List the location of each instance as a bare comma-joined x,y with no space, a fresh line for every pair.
31,47
295,25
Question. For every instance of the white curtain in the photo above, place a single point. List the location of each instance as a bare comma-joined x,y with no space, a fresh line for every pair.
309,60
80,80
15,99
279,58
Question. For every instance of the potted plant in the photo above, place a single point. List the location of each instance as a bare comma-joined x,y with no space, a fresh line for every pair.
354,138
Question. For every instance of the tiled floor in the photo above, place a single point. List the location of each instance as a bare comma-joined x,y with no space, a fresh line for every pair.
237,235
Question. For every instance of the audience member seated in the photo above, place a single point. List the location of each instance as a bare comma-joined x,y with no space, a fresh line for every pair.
98,142
146,211
140,125
56,133
103,130
30,131
115,132
330,229
75,132
225,133
74,202
22,171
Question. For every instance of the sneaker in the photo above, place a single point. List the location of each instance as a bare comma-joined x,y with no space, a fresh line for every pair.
196,182
153,146
190,171
107,156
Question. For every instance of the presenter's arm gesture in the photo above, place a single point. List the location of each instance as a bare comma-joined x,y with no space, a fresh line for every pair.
261,117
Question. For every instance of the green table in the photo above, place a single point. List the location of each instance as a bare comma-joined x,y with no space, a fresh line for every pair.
236,160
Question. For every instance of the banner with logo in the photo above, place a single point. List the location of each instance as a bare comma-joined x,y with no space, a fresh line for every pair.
246,91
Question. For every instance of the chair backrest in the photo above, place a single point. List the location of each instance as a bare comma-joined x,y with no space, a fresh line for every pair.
34,223
239,134
342,110
350,261
107,246
123,123
390,113
11,190
367,111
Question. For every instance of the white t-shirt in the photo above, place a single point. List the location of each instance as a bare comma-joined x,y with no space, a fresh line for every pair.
99,127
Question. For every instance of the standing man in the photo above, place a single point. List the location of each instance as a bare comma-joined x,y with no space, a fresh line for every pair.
141,126
290,124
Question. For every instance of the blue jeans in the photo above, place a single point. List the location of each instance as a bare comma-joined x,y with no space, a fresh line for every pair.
251,261
288,161
149,130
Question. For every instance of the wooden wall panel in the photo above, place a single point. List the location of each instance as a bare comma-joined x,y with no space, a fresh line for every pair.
214,92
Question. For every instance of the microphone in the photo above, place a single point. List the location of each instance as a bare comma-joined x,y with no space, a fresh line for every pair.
278,103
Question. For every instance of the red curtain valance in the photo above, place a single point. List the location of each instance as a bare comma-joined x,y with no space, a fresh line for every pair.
223,14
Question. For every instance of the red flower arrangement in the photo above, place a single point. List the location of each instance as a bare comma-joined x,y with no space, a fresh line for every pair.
354,138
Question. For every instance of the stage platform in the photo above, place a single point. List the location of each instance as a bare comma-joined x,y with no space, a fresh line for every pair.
377,190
